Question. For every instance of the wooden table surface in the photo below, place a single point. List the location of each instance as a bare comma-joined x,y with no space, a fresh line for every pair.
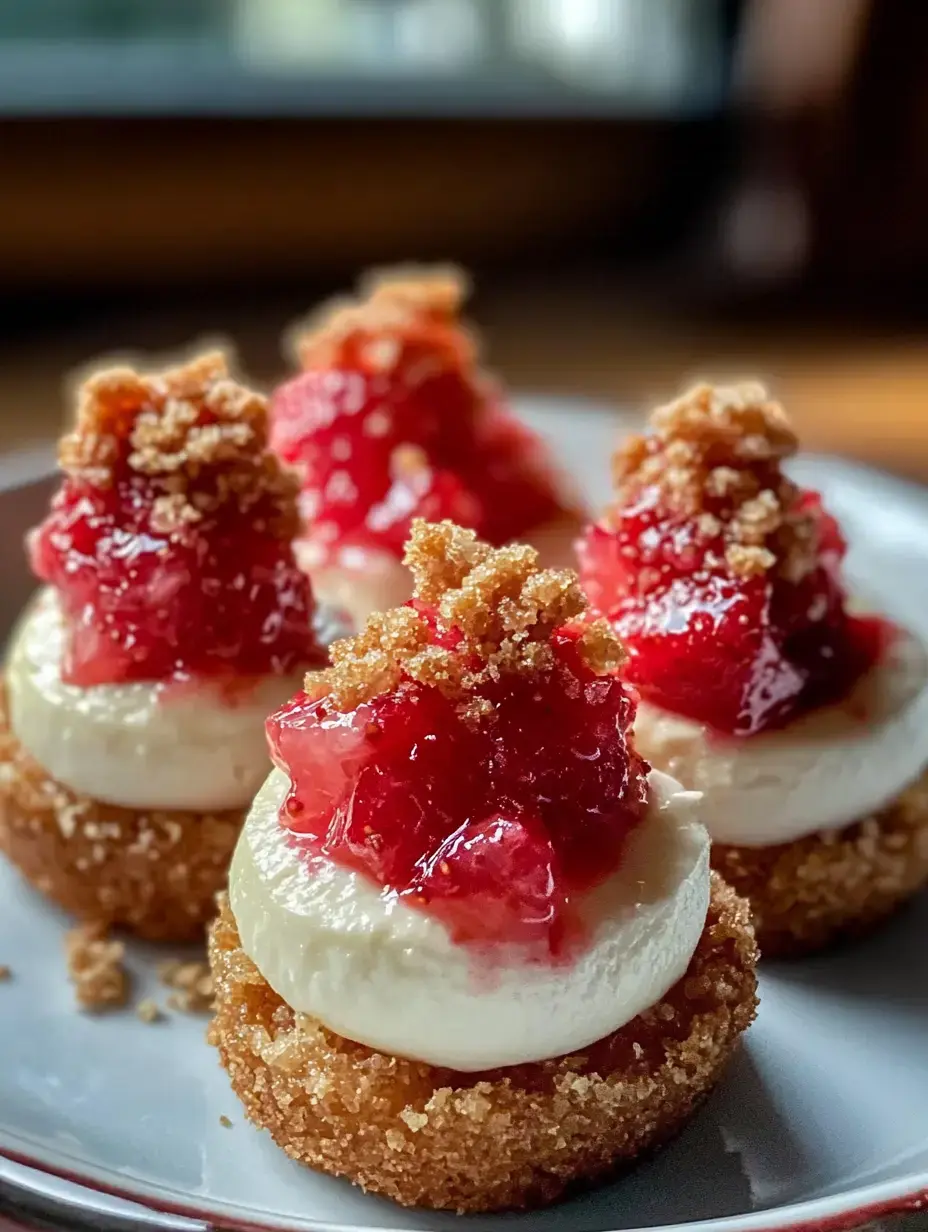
857,392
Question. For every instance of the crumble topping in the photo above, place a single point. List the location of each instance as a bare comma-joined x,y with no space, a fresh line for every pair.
191,984
391,307
726,444
602,651
201,437
96,968
437,292
497,608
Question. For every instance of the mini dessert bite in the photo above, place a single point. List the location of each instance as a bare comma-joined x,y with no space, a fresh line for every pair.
473,952
804,724
173,618
392,418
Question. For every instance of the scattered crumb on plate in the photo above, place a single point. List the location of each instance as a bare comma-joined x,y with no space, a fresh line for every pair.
5,973
225,1122
191,984
95,967
148,1010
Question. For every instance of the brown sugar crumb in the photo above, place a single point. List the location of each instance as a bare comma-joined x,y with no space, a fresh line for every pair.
749,561
95,966
601,649
392,306
501,604
5,973
739,419
372,662
194,432
437,291
725,445
191,984
441,555
148,1011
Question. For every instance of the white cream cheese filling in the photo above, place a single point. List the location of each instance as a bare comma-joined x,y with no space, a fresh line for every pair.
376,971
196,748
360,581
825,770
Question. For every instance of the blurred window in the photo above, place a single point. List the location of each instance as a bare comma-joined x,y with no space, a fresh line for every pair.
551,57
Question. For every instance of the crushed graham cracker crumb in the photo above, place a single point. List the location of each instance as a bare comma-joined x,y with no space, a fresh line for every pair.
715,456
747,561
148,1010
196,434
392,307
191,984
602,650
501,605
96,968
437,291
441,556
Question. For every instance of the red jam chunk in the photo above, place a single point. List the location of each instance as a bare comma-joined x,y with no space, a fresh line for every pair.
740,654
493,827
380,443
228,601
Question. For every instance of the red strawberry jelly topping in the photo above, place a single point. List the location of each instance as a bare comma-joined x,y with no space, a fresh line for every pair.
169,542
722,577
392,420
482,776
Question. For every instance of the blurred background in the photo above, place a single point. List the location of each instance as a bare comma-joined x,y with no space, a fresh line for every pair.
645,190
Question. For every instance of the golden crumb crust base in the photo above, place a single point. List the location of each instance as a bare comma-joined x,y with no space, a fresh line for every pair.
825,887
155,873
507,1139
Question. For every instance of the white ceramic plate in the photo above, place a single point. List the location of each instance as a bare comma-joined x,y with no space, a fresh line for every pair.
822,1119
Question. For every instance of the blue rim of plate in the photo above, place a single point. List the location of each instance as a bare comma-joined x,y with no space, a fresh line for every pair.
830,1214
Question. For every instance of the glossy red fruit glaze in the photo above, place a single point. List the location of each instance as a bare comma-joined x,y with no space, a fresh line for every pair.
739,654
377,449
227,603
495,827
